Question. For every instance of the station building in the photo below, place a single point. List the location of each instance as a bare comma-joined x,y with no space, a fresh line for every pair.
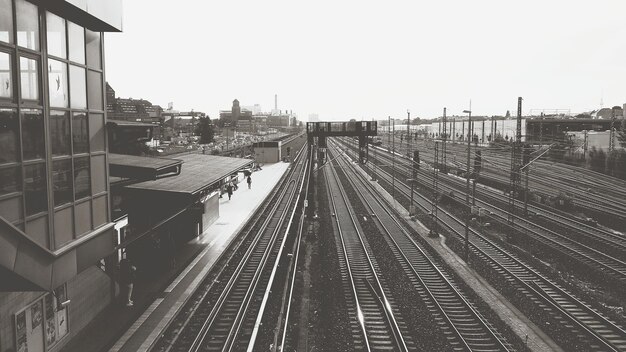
55,223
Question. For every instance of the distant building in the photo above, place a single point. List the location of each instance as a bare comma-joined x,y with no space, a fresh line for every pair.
131,109
256,109
607,113
237,117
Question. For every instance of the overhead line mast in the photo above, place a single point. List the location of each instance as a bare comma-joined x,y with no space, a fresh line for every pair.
516,163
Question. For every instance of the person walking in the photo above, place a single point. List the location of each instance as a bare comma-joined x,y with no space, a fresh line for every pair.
229,190
127,279
249,182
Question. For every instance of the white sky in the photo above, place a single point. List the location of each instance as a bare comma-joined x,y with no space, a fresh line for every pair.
366,59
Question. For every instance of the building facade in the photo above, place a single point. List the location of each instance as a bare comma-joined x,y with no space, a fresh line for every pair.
129,109
55,224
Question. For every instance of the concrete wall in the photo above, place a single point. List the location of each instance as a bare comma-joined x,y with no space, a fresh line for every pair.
90,293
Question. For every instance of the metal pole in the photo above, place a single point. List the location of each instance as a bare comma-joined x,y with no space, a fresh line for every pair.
389,134
526,194
374,160
393,158
408,131
467,188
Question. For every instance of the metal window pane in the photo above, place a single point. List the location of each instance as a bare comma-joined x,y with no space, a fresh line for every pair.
33,144
56,35
62,181
29,74
82,178
60,132
9,139
96,132
77,42
78,88
98,174
92,47
27,24
6,21
94,90
35,192
10,180
80,133
6,77
57,82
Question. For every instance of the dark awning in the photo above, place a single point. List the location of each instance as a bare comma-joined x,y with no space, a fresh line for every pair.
200,172
142,168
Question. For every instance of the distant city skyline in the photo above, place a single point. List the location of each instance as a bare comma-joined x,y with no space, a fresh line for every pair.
371,60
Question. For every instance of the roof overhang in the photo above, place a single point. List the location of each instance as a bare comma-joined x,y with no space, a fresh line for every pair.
142,168
96,15
201,172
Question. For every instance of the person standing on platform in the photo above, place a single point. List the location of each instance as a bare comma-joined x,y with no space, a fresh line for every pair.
229,190
127,279
249,182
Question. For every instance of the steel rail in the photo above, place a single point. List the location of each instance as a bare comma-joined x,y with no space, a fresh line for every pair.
606,333
370,271
469,337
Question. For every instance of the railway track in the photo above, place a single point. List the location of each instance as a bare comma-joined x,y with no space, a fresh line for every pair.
465,328
585,253
225,315
545,175
584,326
378,329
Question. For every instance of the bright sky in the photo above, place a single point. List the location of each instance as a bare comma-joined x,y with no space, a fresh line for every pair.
371,59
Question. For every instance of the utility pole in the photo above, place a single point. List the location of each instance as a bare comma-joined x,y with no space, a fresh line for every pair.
393,159
408,132
515,178
467,187
435,206
415,165
389,133
445,137
374,161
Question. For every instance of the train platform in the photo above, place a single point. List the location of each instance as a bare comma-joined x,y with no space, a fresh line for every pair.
536,340
121,329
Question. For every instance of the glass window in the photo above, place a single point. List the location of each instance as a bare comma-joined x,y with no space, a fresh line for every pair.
6,81
10,180
77,42
62,181
80,133
57,81
35,188
27,24
82,178
9,139
78,88
56,35
96,132
30,78
33,145
94,90
60,132
93,49
6,21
